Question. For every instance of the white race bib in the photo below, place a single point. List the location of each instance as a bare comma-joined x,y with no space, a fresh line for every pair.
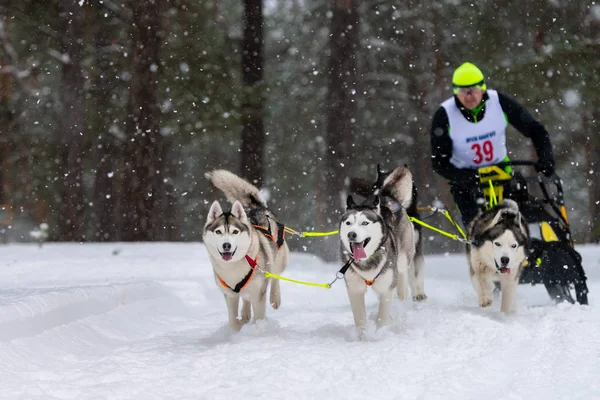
477,144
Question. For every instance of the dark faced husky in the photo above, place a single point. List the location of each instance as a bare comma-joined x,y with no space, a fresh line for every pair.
500,246
240,241
381,243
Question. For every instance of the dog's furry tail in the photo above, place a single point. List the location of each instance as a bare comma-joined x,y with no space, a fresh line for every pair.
236,188
399,183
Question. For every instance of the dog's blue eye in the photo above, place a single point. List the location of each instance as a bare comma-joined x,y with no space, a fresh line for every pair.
218,232
514,246
497,244
365,223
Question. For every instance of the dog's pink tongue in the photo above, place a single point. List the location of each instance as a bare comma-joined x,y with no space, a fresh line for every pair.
358,251
226,256
505,270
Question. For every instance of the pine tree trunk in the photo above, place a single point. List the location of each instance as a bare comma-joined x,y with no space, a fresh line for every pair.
341,118
253,135
592,148
6,122
71,225
6,142
107,150
440,187
169,210
142,186
341,98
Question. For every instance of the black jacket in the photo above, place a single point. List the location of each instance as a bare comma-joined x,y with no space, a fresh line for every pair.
517,116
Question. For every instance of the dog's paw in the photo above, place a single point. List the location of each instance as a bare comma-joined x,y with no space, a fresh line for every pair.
275,303
236,325
364,330
275,296
246,312
485,302
383,321
402,292
275,299
420,297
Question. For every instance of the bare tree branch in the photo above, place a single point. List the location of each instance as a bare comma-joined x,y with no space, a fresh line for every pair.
122,13
13,67
24,19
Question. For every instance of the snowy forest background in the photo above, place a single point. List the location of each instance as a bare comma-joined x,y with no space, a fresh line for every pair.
111,111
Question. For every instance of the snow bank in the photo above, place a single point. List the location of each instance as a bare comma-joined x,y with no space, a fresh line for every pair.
146,321
32,311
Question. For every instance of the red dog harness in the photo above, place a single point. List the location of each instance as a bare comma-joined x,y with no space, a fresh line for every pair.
242,284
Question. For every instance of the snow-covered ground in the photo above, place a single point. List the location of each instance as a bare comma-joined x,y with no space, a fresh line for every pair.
145,321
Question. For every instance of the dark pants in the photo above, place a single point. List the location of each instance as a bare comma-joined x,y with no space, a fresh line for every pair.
466,201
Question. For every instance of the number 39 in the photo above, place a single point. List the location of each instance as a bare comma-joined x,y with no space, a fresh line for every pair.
487,154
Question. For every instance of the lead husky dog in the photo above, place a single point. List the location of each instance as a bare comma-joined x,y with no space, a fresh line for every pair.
500,240
239,241
379,242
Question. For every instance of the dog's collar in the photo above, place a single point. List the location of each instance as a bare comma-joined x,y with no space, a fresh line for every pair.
369,283
242,284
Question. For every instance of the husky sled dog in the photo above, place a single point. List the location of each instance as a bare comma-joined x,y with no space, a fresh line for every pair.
380,243
367,189
240,240
500,247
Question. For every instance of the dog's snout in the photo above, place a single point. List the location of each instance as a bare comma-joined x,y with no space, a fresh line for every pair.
226,246
351,235
504,261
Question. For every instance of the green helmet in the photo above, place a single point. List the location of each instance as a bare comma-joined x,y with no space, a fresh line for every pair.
468,75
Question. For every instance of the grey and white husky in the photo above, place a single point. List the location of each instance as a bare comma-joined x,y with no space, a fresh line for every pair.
239,240
380,243
500,240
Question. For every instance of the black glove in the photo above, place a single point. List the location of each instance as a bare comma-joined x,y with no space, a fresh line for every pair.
546,167
468,180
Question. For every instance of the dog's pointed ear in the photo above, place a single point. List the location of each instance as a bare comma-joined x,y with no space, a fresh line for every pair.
496,219
376,201
522,223
350,204
378,180
375,204
214,212
520,218
237,210
381,176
